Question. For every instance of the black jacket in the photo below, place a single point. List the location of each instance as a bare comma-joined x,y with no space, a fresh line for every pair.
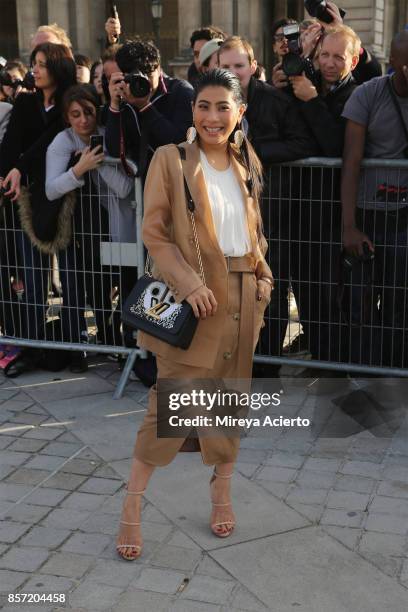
323,117
30,130
29,133
276,129
165,122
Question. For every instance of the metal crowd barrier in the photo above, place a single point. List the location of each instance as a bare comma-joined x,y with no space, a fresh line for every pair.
327,310
71,300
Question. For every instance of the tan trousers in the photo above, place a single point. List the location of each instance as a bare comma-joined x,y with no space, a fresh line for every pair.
233,347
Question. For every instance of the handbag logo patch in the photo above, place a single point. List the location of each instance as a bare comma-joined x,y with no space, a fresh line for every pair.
158,305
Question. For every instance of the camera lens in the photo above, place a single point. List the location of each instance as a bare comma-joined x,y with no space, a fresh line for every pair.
139,85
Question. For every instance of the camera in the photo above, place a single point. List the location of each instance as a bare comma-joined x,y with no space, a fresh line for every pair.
139,84
27,83
318,9
349,261
293,64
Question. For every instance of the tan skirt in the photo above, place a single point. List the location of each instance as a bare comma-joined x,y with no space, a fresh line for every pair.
234,360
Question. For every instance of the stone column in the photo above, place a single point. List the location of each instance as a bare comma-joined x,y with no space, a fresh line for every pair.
189,19
250,24
28,20
221,11
58,12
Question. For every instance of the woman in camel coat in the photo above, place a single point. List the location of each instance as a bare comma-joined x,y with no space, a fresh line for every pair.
223,175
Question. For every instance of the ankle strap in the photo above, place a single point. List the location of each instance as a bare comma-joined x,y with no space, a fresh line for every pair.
222,475
135,492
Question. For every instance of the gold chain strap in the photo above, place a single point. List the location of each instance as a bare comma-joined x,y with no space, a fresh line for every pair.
197,244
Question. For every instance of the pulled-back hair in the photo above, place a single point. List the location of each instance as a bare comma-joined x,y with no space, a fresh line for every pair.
246,154
60,65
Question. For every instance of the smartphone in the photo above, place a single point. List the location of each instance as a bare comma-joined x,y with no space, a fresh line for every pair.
96,141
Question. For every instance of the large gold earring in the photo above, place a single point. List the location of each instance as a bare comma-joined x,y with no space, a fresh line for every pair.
191,134
239,138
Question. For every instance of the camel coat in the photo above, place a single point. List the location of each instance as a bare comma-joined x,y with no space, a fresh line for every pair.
168,236
223,345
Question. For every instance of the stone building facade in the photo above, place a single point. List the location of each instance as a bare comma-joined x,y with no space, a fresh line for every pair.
375,20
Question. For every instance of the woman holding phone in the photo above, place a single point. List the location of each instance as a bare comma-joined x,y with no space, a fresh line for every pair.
102,212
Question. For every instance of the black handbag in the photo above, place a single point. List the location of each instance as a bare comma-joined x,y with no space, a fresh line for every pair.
151,306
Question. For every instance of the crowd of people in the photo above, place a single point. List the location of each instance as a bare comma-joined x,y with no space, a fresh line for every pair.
337,104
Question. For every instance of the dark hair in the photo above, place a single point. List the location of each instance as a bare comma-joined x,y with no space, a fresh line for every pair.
16,65
259,70
246,155
280,23
83,60
207,34
138,54
93,69
61,66
79,93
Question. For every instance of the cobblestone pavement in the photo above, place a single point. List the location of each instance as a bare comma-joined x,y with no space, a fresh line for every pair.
322,512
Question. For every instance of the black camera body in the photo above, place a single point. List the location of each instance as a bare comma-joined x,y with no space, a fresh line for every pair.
27,83
318,9
349,261
293,64
139,84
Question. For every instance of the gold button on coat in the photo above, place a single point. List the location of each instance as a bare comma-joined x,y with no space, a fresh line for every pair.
235,316
227,355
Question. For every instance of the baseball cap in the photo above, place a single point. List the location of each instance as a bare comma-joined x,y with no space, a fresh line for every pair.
209,48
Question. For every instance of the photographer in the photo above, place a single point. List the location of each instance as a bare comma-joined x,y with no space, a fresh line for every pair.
326,15
321,103
315,219
149,108
375,213
278,133
15,73
275,128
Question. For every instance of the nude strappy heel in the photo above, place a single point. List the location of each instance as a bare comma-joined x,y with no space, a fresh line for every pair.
230,523
134,547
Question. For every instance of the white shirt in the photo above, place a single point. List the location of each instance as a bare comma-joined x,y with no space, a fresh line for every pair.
228,209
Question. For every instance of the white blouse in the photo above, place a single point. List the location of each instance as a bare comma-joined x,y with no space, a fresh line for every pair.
228,209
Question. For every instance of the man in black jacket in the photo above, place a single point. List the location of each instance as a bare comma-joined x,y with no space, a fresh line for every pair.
160,117
278,134
318,215
322,103
138,124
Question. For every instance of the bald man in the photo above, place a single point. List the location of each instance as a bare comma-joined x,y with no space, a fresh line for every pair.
375,212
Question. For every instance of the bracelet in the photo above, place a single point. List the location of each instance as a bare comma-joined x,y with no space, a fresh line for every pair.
267,280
